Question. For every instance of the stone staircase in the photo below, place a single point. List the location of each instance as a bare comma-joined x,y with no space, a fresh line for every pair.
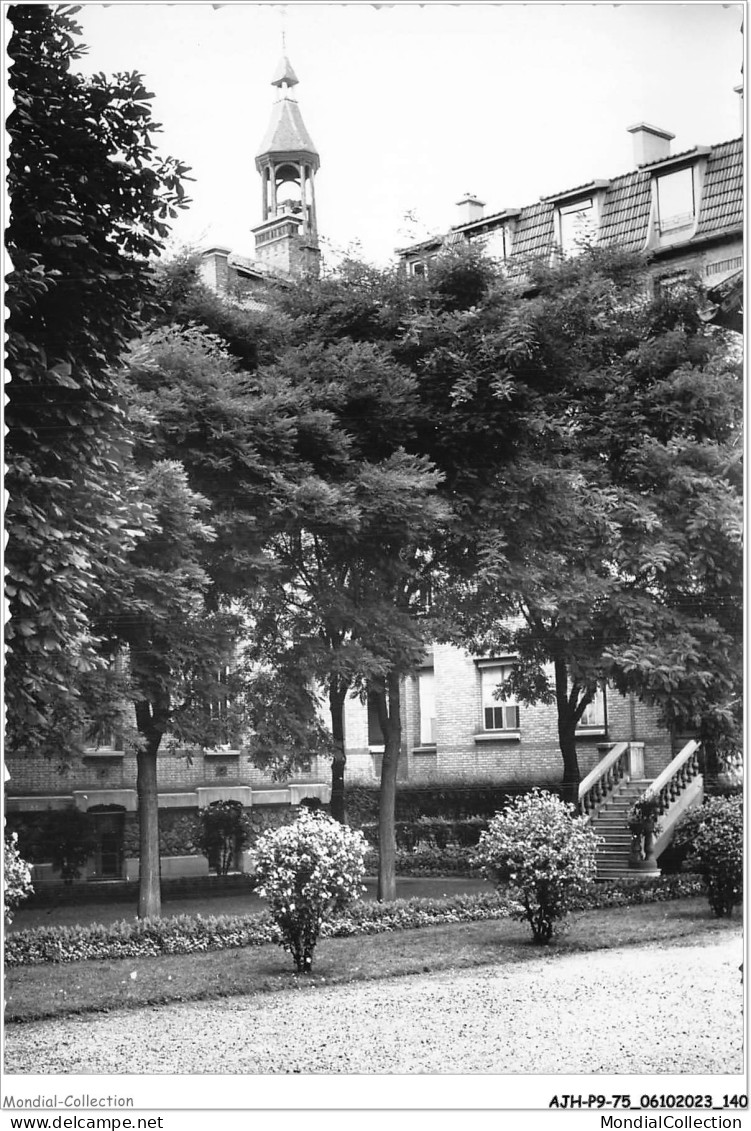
610,824
616,782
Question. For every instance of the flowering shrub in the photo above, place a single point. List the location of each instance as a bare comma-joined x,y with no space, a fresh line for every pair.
17,883
308,871
545,853
718,852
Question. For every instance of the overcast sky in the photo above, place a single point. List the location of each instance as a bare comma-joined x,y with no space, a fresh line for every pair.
411,106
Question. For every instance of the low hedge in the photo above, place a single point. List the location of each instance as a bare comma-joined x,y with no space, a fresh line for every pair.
438,832
628,892
428,860
453,800
187,934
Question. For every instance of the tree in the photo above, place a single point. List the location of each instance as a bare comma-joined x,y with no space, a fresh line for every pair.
369,529
174,645
230,442
611,544
354,551
309,486
90,200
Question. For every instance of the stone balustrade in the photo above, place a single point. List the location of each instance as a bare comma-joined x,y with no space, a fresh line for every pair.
676,776
602,780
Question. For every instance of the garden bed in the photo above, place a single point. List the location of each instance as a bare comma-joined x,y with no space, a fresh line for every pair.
188,934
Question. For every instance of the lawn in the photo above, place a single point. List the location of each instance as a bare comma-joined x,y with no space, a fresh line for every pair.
34,992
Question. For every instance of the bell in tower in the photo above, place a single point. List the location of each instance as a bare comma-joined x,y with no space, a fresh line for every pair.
287,238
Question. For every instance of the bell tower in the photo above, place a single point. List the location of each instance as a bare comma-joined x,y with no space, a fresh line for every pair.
287,237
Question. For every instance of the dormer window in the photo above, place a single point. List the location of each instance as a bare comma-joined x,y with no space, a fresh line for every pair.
577,215
495,243
577,225
676,200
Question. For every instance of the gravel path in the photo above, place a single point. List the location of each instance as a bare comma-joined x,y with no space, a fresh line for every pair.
653,1009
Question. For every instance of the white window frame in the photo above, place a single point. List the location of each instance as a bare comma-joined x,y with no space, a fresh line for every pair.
504,710
495,243
668,219
594,718
426,706
570,242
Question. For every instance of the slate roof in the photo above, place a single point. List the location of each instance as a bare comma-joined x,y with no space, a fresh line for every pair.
626,204
722,199
286,133
625,213
535,231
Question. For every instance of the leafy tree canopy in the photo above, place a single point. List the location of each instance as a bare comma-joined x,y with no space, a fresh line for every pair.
90,204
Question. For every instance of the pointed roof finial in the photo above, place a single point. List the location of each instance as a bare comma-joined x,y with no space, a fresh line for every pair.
284,74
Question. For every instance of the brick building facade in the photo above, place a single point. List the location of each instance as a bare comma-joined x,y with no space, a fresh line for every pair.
449,736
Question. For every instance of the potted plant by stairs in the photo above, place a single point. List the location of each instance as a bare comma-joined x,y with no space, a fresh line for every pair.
644,824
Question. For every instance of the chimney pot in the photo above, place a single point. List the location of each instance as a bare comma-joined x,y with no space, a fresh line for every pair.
470,208
650,143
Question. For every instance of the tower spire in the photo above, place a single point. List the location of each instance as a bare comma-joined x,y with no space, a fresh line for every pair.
287,161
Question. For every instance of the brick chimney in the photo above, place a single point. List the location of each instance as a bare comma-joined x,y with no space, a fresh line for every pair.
214,268
650,143
470,208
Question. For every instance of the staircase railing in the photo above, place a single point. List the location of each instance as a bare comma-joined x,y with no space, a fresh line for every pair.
677,788
603,779
671,783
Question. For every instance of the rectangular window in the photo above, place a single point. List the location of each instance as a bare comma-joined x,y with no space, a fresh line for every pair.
594,713
426,690
107,738
577,226
497,714
375,734
219,705
675,200
494,244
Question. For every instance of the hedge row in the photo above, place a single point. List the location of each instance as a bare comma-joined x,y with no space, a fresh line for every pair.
428,860
451,800
187,934
432,831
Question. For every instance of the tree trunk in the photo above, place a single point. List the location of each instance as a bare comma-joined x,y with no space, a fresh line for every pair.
567,733
337,696
149,885
388,701
571,775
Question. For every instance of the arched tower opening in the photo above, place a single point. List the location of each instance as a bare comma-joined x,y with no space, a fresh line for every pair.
287,161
